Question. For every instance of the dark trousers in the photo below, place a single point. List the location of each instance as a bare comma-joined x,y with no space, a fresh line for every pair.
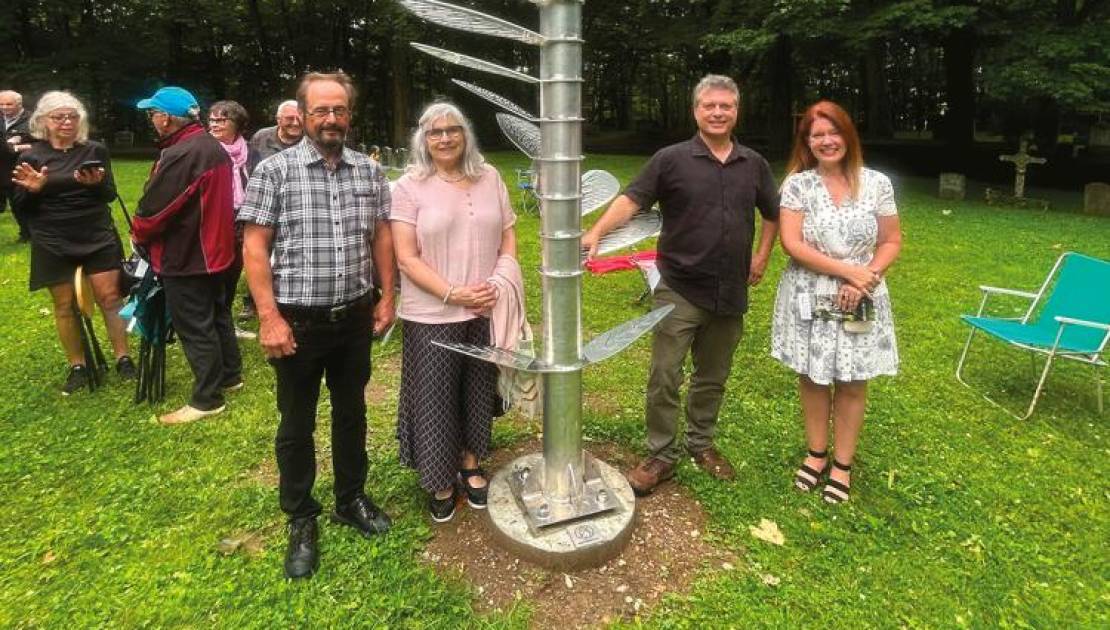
6,199
200,309
340,353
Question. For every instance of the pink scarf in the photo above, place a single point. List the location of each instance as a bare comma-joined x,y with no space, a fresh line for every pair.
239,154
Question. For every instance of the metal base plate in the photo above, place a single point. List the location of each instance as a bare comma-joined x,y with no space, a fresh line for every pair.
591,541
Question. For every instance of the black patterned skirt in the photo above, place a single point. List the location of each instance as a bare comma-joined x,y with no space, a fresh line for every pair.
447,400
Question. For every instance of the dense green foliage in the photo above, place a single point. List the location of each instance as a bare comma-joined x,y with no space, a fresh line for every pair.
940,66
961,515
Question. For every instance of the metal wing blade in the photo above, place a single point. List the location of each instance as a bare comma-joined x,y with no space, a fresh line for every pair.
643,225
523,134
474,63
598,189
507,358
613,341
497,100
463,19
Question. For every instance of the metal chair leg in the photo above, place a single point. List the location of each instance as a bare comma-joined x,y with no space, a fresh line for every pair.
963,356
1098,386
1040,384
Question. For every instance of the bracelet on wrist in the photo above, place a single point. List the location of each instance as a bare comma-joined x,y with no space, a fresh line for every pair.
447,296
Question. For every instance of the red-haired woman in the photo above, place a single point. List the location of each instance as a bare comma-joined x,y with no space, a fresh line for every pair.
832,321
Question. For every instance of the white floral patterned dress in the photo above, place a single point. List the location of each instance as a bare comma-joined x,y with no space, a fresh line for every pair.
822,349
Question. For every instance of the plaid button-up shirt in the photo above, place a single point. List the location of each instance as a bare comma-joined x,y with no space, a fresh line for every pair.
323,222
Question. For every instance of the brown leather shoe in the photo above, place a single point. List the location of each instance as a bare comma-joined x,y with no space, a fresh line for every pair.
711,461
650,473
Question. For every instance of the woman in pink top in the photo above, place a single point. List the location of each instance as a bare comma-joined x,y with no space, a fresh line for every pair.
451,220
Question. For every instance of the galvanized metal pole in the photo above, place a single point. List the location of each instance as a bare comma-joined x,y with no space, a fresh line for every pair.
559,185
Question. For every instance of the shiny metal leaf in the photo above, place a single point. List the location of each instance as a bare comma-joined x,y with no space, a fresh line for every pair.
473,62
613,341
497,100
643,225
471,21
523,134
507,358
598,189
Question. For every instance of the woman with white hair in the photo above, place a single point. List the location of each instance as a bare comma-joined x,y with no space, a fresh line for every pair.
64,185
452,228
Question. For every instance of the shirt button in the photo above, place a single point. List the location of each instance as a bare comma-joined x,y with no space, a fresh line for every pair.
337,222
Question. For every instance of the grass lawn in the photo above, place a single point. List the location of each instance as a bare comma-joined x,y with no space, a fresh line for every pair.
960,515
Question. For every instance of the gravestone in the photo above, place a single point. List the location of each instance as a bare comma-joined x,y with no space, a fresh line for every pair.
1100,136
123,139
953,186
1096,199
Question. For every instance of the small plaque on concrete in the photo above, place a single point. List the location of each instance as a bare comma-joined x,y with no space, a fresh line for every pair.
1096,199
953,186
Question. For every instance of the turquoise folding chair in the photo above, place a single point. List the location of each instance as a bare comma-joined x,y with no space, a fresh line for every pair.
1073,322
526,184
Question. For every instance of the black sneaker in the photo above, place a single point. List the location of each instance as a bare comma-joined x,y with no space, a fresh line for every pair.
302,555
78,378
442,510
476,498
126,369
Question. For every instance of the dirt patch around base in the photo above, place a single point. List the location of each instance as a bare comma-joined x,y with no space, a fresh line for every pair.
666,553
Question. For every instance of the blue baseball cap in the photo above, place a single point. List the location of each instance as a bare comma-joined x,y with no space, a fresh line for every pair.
173,100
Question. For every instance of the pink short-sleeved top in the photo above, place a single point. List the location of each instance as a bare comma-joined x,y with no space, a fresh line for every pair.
458,234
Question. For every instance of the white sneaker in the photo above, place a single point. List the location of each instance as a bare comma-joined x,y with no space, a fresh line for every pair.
245,334
188,413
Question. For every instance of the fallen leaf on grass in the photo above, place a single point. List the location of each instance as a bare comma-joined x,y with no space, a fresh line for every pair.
769,579
49,557
767,531
44,311
569,582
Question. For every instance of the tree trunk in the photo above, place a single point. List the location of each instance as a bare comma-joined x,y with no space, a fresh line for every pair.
780,67
959,66
877,116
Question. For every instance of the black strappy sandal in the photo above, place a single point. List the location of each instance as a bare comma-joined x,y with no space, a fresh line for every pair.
836,492
475,497
806,479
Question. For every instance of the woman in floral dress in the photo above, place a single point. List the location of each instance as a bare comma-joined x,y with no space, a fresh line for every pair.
832,320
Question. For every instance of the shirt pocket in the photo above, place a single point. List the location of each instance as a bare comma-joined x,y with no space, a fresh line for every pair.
366,198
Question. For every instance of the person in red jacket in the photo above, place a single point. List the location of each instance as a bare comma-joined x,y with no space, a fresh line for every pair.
185,221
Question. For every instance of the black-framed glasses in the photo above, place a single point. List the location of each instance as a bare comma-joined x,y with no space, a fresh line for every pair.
321,113
218,119
438,133
61,118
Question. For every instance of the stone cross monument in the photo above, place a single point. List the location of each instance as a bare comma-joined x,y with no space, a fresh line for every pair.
1021,161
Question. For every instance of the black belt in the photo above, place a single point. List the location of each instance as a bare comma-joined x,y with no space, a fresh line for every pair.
326,314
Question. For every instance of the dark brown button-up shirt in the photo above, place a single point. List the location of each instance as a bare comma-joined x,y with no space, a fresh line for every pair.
705,248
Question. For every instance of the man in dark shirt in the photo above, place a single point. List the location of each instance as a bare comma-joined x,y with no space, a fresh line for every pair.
707,188
285,134
17,137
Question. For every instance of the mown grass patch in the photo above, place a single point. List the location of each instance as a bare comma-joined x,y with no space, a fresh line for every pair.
960,515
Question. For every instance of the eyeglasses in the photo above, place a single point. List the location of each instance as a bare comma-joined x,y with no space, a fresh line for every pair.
321,113
151,113
218,119
438,133
61,118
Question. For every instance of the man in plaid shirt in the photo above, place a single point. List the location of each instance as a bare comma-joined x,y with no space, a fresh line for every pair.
317,225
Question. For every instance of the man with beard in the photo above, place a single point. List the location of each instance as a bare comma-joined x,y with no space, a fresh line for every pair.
286,133
320,212
17,137
707,188
186,222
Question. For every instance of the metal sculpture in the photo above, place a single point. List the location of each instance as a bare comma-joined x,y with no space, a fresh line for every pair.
564,507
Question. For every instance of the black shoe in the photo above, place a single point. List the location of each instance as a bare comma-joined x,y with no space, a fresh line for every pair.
442,510
364,516
125,368
78,378
302,556
475,497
